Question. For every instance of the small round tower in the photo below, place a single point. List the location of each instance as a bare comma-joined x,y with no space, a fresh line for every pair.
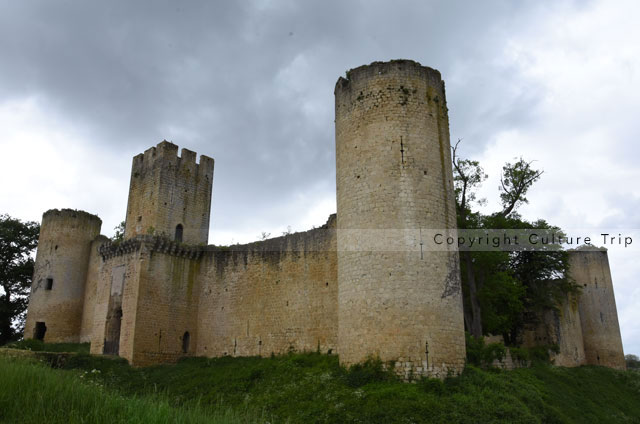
394,182
589,268
57,292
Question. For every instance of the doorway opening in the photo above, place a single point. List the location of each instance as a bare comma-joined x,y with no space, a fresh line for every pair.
41,329
112,336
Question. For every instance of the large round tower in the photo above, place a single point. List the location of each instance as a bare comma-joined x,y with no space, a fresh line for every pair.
402,302
57,291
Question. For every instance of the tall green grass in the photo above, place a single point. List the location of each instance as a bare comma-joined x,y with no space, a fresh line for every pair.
309,388
31,392
314,388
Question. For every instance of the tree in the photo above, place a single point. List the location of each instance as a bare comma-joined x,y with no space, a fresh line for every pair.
633,362
500,287
118,236
515,181
467,176
17,242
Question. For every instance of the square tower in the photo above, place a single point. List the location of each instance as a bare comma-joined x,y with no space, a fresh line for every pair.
170,195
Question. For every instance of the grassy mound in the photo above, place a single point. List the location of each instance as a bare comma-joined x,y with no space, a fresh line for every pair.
308,388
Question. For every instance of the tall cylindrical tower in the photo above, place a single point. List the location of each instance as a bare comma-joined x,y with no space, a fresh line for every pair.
394,181
57,292
597,306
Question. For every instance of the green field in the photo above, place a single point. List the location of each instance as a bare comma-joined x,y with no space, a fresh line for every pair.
307,388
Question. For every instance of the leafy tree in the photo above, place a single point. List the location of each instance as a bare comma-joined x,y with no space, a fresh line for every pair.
500,287
633,362
118,236
516,180
17,241
467,177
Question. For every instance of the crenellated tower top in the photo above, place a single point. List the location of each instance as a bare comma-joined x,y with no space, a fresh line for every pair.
170,195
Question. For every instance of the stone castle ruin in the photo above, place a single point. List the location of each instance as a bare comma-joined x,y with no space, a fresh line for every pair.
163,293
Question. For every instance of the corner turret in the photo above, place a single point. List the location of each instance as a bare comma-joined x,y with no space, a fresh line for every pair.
57,293
597,305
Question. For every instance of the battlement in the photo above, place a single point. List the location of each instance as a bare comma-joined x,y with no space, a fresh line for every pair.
166,154
400,67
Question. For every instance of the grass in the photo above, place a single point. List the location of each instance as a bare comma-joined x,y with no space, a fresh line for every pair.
34,393
309,388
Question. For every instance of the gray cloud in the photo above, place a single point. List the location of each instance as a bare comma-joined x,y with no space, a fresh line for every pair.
251,84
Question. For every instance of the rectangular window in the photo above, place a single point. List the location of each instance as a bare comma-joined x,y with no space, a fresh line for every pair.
49,284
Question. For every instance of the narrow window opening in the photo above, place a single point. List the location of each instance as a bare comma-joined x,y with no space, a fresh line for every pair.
426,353
49,284
139,218
41,329
186,339
179,230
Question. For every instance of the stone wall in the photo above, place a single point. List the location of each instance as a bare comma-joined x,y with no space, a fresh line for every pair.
57,292
167,308
561,328
91,289
567,328
270,297
393,167
116,303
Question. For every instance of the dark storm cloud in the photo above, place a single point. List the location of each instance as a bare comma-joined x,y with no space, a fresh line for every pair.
251,84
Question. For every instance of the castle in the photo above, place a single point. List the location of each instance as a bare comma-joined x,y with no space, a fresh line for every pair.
163,293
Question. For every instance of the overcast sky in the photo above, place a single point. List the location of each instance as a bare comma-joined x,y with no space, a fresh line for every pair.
86,85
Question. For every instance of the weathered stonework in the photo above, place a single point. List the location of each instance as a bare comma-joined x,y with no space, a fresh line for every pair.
585,329
393,169
167,191
162,293
57,293
597,308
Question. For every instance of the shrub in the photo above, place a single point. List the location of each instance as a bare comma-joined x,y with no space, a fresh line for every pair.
373,370
480,354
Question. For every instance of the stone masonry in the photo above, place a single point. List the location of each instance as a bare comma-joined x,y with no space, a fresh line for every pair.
585,328
394,172
163,293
